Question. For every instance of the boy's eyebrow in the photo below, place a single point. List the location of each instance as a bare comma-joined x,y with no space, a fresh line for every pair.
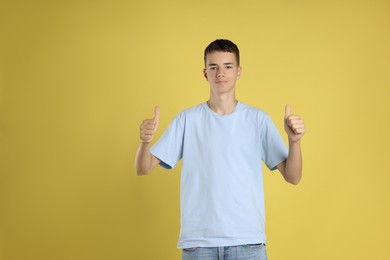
226,63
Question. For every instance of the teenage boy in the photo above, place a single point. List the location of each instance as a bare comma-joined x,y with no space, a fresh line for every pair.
222,143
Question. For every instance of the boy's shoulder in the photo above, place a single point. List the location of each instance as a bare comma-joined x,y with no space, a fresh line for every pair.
195,109
252,110
190,112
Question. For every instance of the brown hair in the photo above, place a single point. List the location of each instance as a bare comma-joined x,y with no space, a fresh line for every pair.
223,46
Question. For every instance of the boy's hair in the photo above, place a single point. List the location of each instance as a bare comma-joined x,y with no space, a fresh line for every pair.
223,46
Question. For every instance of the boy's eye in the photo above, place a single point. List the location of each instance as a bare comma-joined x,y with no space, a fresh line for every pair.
228,67
213,68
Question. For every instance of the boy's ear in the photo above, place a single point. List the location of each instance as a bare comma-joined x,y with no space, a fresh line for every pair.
205,74
239,72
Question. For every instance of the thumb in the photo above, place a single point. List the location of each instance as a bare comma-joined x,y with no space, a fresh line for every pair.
287,111
156,114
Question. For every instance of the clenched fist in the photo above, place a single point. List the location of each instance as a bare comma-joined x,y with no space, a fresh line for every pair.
148,127
293,125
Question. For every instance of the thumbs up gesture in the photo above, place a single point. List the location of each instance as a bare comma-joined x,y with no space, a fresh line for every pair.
148,127
293,125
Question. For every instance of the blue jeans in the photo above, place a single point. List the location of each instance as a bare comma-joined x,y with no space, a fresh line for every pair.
243,252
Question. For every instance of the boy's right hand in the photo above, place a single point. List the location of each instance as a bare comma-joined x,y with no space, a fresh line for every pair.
148,127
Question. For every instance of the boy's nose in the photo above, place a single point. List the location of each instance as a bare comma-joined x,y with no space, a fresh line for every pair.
219,73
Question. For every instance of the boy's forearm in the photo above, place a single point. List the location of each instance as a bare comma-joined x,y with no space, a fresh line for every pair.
293,170
143,159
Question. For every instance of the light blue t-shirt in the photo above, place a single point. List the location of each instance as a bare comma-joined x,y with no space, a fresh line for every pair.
222,196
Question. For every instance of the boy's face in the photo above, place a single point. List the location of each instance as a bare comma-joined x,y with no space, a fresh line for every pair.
221,71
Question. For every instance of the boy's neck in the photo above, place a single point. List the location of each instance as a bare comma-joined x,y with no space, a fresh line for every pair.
222,105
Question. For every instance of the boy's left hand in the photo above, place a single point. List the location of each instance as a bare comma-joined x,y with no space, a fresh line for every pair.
293,125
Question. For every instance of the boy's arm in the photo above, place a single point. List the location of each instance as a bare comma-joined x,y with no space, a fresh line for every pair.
144,160
291,169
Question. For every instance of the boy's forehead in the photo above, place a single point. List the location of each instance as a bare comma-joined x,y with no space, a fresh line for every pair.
217,57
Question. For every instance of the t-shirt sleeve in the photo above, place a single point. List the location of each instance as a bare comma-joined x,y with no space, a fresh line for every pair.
169,148
274,150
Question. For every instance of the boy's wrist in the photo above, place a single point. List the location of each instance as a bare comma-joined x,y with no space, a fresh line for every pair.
294,142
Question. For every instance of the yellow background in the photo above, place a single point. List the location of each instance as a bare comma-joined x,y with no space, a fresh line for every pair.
78,77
